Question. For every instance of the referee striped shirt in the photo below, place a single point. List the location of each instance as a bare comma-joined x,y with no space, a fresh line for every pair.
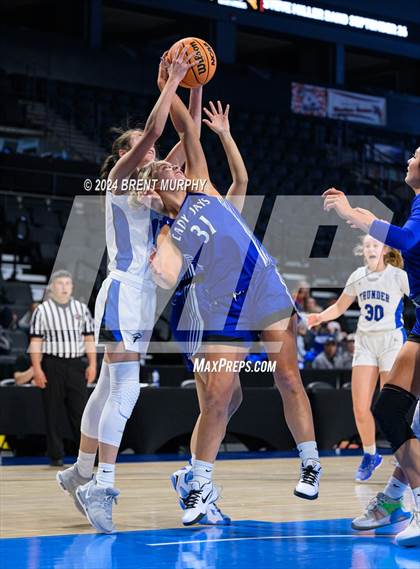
62,327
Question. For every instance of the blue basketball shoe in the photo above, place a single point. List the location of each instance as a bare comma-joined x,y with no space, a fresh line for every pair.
370,462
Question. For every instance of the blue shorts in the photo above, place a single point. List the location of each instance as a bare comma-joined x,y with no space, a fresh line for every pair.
186,323
236,317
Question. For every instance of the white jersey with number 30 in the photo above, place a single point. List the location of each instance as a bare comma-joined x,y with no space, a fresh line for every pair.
380,297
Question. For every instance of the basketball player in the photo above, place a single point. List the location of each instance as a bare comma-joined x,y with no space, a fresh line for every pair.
124,311
182,323
379,288
402,389
233,269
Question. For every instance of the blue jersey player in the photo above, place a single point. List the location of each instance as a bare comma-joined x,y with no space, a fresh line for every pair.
184,313
402,389
238,293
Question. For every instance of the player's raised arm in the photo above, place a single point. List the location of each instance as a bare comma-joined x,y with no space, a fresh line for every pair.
177,154
156,121
218,122
196,163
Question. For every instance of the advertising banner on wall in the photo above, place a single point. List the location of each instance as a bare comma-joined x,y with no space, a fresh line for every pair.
317,101
356,107
309,100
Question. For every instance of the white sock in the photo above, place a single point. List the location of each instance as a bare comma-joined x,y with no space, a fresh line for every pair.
395,488
369,449
308,450
202,471
105,476
85,463
192,459
416,493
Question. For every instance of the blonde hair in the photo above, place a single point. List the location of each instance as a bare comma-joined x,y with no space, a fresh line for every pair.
391,257
147,172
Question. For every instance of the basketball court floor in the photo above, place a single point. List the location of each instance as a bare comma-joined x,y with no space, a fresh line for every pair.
41,529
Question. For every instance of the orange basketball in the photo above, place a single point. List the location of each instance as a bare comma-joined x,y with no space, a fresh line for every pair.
204,69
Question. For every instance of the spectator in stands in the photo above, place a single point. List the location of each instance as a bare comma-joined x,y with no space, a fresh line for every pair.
328,359
312,306
301,295
61,334
348,352
24,372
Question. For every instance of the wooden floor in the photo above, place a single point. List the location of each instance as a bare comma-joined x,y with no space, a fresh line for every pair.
32,504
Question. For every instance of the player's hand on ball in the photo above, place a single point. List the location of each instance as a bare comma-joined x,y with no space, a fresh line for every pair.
218,120
336,199
180,64
313,320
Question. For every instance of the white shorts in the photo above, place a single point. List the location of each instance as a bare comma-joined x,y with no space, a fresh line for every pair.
125,313
378,350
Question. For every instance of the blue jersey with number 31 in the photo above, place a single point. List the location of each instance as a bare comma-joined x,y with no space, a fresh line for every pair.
229,253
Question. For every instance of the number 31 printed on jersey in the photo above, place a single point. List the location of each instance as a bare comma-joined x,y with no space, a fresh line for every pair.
200,233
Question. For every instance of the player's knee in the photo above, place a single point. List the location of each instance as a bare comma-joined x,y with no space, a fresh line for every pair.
125,386
94,407
361,412
288,381
216,402
391,411
126,397
236,401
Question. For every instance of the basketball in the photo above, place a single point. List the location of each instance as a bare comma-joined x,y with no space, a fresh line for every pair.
204,69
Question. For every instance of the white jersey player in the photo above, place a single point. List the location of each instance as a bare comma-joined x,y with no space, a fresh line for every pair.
379,288
124,312
125,305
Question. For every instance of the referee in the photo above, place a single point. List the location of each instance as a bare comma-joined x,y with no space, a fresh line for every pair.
61,334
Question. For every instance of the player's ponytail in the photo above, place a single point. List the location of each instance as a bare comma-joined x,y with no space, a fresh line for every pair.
393,257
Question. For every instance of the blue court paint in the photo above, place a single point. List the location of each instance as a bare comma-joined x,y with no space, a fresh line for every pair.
243,545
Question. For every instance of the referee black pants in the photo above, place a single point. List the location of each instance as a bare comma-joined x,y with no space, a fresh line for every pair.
65,391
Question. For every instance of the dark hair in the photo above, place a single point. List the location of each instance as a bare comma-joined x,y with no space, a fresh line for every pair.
122,142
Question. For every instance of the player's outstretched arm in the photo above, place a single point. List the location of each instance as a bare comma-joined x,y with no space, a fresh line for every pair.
218,122
156,121
402,238
332,312
177,154
196,163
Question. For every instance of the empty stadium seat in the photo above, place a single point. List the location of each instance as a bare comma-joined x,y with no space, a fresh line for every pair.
15,293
